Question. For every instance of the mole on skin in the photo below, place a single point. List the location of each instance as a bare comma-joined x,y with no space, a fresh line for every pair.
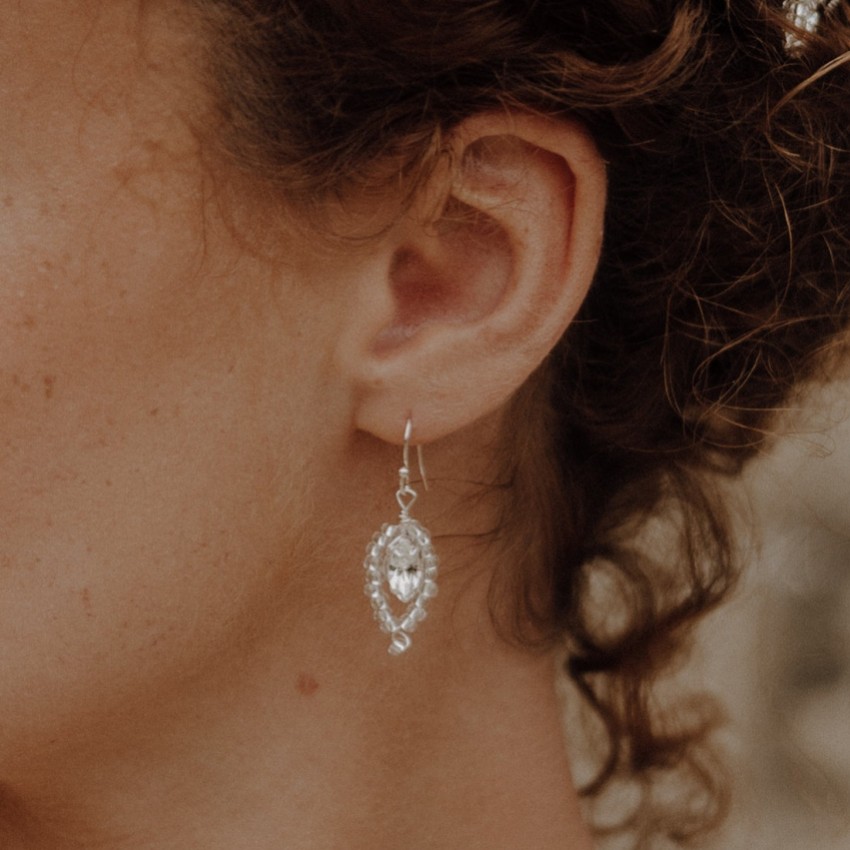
307,685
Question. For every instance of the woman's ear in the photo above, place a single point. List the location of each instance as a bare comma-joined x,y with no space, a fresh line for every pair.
471,291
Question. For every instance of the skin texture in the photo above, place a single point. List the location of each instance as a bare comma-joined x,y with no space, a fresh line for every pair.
198,438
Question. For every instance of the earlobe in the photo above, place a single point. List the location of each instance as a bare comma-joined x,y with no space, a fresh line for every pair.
482,294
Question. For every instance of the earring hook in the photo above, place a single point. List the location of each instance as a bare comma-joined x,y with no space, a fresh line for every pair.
408,434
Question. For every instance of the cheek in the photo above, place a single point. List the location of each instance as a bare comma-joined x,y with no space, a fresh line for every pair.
92,326
158,448
140,454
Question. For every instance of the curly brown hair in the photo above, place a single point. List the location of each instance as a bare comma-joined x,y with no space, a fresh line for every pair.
723,279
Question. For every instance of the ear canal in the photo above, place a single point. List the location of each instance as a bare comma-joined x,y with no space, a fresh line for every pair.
455,271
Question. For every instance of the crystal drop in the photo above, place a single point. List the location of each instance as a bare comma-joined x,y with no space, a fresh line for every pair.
404,571
400,563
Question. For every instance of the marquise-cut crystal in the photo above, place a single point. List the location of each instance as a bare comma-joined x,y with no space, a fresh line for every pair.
404,568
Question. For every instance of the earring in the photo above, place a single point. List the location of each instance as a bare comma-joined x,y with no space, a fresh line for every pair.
401,557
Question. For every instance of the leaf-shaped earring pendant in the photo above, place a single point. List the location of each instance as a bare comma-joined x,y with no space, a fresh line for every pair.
400,561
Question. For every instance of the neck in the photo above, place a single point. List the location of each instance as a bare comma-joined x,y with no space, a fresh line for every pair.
455,745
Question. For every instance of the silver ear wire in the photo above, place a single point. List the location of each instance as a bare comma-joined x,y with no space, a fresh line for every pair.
401,559
408,433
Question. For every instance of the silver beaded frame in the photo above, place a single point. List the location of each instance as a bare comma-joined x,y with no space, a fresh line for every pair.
401,562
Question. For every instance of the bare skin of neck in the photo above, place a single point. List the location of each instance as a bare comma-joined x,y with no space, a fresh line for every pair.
458,744
323,760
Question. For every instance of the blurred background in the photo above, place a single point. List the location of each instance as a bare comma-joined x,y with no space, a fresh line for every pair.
779,653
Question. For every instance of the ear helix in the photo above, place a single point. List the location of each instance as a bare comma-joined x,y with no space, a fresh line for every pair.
401,559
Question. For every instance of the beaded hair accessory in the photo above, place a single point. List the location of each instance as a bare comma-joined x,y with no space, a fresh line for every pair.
805,15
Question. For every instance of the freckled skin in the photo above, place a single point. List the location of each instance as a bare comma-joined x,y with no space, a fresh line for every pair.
172,387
